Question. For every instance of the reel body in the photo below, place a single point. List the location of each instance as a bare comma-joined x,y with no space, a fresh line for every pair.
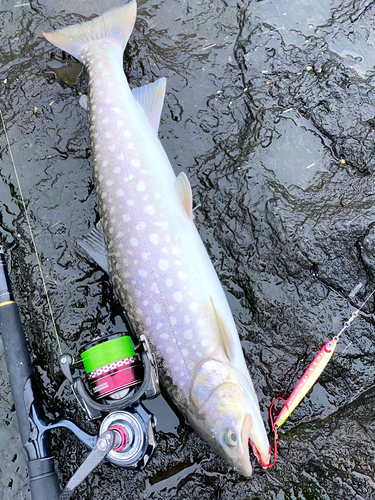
119,376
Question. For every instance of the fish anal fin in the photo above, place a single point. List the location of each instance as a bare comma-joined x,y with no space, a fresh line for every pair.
225,336
151,98
94,246
185,194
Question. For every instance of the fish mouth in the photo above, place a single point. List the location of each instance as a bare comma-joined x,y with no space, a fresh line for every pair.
263,458
257,439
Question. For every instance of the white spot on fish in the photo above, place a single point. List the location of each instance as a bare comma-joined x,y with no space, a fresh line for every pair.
105,120
121,157
169,349
126,133
120,192
201,322
148,321
187,318
117,110
184,352
116,170
164,336
176,251
164,224
145,302
149,209
155,288
141,186
168,282
135,163
110,182
182,275
145,255
143,273
120,123
177,296
157,308
130,145
112,147
130,202
164,250
108,100
204,342
159,325
100,93
173,320
188,334
134,242
126,217
193,306
140,226
154,238
99,65
163,264
108,135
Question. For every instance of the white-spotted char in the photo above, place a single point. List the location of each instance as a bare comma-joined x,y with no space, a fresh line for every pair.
156,259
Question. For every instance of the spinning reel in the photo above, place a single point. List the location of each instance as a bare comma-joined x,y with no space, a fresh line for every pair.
118,375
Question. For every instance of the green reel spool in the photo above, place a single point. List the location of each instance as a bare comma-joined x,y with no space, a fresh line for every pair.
107,352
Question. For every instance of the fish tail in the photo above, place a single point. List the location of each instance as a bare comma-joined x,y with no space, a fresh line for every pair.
115,25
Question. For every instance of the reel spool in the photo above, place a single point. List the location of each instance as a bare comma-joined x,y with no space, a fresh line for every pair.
112,366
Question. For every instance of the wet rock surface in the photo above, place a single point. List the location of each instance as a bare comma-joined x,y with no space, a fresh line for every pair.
264,100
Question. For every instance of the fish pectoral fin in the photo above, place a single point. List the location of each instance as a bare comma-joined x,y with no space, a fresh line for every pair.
94,246
185,194
151,99
225,336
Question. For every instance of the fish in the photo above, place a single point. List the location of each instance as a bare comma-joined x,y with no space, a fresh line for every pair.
148,243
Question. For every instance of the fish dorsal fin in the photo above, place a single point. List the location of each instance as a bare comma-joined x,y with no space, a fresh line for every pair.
185,194
94,246
226,338
151,99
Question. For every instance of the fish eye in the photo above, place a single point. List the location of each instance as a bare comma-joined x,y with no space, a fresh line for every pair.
230,438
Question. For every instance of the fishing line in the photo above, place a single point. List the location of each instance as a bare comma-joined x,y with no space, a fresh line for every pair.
31,232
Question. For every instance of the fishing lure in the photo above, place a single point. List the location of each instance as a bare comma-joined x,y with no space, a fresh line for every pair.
308,379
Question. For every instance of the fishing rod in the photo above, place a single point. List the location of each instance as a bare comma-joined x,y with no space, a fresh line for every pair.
119,372
126,436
